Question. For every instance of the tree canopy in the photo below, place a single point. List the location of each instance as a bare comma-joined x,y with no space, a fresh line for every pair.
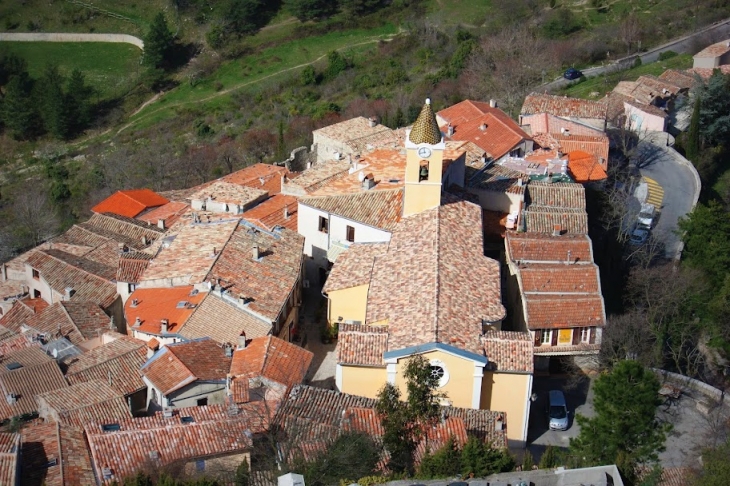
158,43
707,239
624,430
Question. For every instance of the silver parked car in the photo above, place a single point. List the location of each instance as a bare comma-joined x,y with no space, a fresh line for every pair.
557,411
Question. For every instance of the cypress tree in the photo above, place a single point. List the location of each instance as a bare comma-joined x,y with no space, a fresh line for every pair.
693,135
158,43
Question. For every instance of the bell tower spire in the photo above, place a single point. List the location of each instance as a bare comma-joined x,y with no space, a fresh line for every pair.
424,163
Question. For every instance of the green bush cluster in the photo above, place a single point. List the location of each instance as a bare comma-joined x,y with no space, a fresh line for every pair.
475,459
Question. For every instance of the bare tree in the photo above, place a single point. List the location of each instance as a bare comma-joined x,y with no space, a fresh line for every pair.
630,31
33,218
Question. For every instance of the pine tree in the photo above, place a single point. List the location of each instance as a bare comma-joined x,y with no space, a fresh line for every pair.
18,110
78,103
693,135
311,9
158,43
623,431
52,103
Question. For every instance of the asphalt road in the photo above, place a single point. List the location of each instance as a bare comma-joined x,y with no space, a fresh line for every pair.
663,165
688,44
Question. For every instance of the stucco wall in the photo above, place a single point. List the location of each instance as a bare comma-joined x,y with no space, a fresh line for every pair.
71,37
498,201
350,304
189,396
458,388
510,393
641,121
706,62
363,381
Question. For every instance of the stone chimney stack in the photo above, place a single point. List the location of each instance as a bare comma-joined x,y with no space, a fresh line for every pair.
255,252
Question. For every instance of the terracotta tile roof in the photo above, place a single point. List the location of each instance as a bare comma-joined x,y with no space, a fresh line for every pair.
180,364
646,108
107,272
131,266
558,195
189,256
271,213
239,390
38,374
75,457
659,85
679,78
495,135
547,123
496,178
122,229
155,304
169,212
545,311
361,345
387,139
260,176
559,278
536,247
9,458
597,146
425,129
584,167
227,192
116,363
715,50
268,281
326,411
354,266
162,441
272,358
59,274
563,106
706,73
435,268
379,209
386,166
223,321
130,203
40,446
508,351
77,321
15,342
562,350
12,289
315,177
351,130
92,401
463,112
18,315
676,476
84,240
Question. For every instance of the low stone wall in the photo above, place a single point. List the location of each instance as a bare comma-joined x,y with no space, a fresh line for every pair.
69,37
699,390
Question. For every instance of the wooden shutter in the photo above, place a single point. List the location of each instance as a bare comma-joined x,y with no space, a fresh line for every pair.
538,337
554,340
593,335
576,335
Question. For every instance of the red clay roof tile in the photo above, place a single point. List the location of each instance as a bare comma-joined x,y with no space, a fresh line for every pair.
130,203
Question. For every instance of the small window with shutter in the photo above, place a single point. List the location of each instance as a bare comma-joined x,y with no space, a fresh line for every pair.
350,234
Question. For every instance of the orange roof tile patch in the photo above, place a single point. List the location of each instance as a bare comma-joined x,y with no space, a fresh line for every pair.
563,311
547,123
40,444
169,213
279,210
536,247
496,135
151,305
585,167
379,209
679,78
272,358
354,266
9,458
361,345
130,203
387,166
559,278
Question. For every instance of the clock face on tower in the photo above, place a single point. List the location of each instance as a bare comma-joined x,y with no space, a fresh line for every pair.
424,152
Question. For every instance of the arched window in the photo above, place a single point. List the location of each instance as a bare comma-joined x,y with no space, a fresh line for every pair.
423,171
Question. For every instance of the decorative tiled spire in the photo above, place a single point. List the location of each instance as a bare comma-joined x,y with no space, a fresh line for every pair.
425,129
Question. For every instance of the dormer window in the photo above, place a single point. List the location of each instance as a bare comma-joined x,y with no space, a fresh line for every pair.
423,171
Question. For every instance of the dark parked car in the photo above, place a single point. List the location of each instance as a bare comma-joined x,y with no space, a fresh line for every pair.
572,73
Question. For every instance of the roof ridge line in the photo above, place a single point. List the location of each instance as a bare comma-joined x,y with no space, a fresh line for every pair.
80,269
65,311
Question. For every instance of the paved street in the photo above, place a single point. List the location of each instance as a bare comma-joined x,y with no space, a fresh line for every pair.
662,164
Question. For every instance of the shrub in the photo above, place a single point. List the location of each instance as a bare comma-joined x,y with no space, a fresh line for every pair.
667,55
637,62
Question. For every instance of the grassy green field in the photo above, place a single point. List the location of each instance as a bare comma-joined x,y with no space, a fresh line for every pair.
267,65
109,68
604,83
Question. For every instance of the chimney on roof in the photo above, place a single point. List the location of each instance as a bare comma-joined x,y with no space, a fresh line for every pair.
228,350
122,248
499,423
161,223
11,398
373,121
137,322
255,252
286,212
565,131
368,182
164,324
483,127
68,292
215,251
492,103
144,241
570,254
450,130
135,303
242,341
557,230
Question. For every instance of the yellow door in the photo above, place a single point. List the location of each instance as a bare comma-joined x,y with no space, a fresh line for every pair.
565,336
